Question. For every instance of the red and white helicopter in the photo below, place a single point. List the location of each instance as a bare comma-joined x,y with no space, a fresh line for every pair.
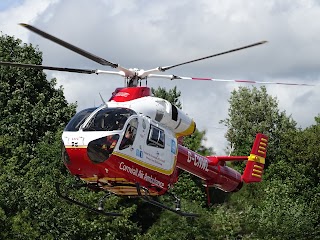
129,145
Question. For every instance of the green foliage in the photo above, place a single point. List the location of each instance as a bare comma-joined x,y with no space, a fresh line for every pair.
172,226
252,111
283,214
30,105
285,205
172,95
294,187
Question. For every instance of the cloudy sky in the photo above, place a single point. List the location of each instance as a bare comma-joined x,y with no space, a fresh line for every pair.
146,34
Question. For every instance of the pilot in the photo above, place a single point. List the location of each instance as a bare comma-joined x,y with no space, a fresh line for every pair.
120,123
127,139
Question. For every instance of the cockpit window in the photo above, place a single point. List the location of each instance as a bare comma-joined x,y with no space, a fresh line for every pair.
109,119
78,119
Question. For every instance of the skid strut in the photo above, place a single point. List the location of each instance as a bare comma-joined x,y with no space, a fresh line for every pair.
146,197
98,210
143,193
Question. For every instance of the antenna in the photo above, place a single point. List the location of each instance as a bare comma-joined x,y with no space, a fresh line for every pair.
103,101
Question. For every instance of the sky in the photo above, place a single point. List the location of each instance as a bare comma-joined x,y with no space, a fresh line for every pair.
146,34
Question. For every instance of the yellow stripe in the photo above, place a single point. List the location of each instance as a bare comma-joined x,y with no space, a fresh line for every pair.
264,140
122,190
263,144
262,148
80,146
90,179
146,165
257,171
114,179
119,190
256,175
262,152
188,131
257,166
256,158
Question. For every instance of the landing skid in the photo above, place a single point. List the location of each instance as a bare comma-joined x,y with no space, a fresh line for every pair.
143,193
145,197
98,210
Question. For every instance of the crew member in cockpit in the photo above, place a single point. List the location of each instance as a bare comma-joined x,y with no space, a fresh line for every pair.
127,139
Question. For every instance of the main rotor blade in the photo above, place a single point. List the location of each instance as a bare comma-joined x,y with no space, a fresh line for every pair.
75,70
174,77
243,81
214,55
70,46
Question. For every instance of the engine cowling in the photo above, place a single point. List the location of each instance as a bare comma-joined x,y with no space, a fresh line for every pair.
163,112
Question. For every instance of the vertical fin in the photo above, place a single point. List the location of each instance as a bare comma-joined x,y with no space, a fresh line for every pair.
255,165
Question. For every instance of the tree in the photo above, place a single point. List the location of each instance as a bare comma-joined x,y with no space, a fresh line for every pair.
34,113
294,188
283,206
172,95
30,105
252,111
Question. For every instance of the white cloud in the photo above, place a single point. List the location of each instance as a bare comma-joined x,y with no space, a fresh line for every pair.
26,12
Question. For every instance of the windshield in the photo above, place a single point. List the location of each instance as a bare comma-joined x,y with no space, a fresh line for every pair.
109,119
78,119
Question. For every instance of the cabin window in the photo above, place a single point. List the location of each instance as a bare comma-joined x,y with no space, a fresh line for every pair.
156,137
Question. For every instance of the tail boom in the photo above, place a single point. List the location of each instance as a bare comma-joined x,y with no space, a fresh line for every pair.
215,173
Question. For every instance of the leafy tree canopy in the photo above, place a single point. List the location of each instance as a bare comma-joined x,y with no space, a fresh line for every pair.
30,105
252,111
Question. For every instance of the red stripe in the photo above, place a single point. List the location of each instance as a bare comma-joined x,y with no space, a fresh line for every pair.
206,79
247,81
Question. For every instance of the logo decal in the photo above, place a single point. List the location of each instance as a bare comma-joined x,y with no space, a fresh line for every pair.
139,173
139,153
173,146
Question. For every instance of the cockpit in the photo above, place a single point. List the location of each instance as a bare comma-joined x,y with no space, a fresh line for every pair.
109,119
105,119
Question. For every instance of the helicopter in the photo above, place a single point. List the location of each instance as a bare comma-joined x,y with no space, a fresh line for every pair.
131,144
